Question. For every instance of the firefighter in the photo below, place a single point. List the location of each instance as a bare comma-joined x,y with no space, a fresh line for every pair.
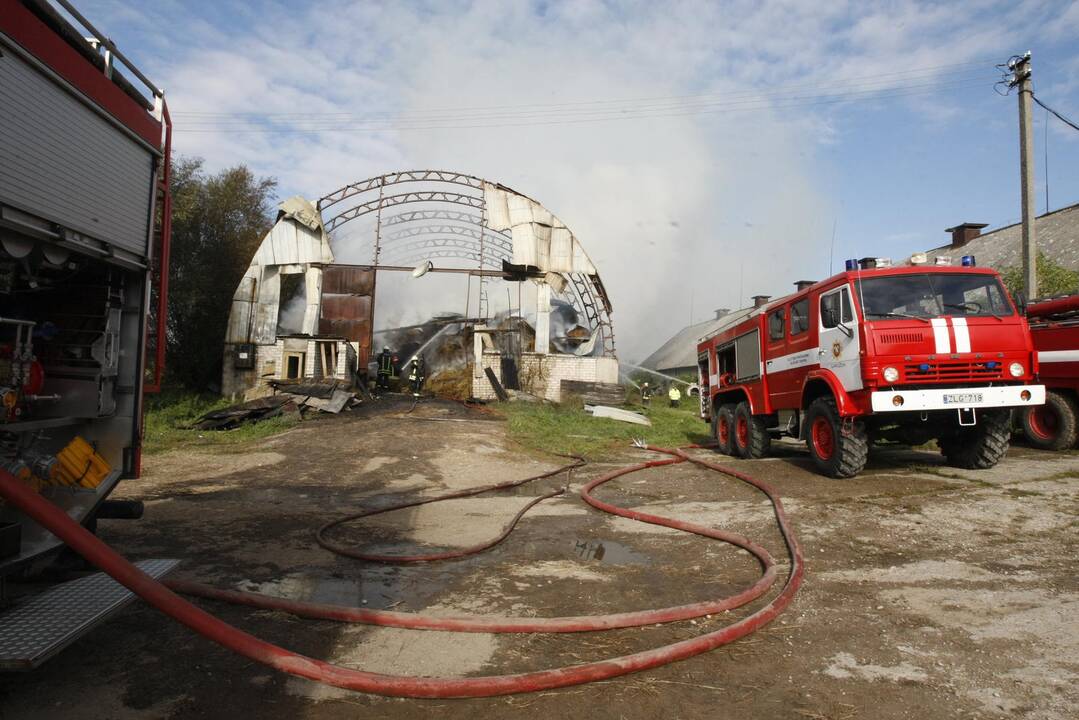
386,361
675,395
646,394
416,375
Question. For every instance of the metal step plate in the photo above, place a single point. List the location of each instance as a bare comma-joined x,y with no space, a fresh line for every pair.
34,630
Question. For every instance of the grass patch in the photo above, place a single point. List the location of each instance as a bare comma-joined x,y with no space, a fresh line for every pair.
569,429
169,413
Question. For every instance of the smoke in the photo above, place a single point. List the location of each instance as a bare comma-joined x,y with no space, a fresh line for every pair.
703,208
293,306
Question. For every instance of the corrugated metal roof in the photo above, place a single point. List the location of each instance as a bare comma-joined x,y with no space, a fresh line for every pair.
681,350
1057,237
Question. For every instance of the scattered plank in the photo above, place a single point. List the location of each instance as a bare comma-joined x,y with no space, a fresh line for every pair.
604,411
594,393
497,386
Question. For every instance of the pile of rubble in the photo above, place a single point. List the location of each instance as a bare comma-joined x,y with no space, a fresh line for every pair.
290,397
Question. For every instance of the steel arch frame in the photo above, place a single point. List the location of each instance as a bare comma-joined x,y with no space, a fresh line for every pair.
403,199
588,295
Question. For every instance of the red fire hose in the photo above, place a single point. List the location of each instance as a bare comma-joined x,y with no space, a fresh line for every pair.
158,595
321,535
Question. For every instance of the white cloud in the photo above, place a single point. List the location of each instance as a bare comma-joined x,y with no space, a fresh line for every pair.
713,200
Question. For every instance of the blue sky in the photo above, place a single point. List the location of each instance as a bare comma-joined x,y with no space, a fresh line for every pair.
731,188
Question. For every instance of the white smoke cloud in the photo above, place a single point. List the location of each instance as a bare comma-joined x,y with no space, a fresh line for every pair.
708,208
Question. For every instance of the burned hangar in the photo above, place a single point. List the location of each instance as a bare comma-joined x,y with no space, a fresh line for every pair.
420,221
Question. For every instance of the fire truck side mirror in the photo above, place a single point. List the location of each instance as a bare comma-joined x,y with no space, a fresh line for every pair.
1021,302
828,316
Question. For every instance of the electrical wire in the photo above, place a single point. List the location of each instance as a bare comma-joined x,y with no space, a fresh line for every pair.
1058,116
635,107
542,119
904,75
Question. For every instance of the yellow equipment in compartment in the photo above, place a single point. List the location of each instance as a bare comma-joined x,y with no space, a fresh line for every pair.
81,466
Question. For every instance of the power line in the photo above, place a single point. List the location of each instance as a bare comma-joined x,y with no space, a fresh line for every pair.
1045,145
545,118
1059,117
504,112
902,76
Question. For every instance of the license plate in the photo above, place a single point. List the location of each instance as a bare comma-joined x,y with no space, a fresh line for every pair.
962,398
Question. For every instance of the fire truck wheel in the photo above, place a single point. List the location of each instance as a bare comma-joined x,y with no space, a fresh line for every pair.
1054,425
839,450
723,429
751,439
981,446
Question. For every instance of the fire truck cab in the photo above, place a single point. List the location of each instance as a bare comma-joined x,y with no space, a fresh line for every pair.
876,353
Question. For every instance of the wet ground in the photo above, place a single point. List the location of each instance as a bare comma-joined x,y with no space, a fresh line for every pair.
930,591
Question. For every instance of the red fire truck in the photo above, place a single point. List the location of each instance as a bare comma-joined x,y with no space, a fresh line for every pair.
84,239
875,353
1054,326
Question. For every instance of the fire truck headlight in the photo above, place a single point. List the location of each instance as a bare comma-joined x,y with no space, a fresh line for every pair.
890,374
1016,369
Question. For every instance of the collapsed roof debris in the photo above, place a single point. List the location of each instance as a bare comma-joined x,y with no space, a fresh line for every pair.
292,398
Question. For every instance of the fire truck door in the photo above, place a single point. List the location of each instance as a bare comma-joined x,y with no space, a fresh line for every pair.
839,344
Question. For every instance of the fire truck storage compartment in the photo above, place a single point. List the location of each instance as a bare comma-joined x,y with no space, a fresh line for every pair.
747,356
67,162
70,375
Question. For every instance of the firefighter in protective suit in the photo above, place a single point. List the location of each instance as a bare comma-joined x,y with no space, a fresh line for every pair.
674,395
416,375
386,361
646,394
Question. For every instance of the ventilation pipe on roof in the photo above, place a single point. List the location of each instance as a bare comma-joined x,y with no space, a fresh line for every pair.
761,300
964,233
720,312
803,284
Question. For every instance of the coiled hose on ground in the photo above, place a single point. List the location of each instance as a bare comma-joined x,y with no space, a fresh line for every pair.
162,597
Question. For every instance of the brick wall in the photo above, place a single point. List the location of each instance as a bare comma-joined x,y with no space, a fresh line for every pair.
481,386
269,363
546,372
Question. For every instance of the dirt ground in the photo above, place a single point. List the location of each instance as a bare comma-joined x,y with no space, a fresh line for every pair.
930,591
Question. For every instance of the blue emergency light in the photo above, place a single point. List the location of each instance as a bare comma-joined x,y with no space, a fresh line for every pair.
968,261
924,367
992,364
852,264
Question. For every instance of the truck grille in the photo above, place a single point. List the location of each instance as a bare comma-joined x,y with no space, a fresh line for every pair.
953,370
901,338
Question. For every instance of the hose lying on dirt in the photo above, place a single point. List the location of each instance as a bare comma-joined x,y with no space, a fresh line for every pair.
160,596
321,536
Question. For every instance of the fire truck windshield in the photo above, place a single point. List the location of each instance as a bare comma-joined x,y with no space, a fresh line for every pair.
929,295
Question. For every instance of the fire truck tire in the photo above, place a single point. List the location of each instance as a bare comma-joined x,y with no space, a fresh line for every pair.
838,451
751,439
723,429
981,446
1054,425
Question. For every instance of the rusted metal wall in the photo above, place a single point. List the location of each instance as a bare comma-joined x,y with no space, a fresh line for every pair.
348,307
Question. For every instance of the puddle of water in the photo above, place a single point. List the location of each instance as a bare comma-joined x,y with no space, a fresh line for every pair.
608,551
353,592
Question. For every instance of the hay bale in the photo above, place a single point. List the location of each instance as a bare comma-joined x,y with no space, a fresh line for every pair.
453,383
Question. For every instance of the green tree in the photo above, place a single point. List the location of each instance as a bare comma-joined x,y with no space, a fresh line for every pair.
218,222
1053,278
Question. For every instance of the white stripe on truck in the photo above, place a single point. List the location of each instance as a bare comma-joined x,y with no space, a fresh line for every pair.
1055,356
962,335
794,360
940,335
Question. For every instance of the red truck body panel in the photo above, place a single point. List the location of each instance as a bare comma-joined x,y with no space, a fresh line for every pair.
798,352
1054,327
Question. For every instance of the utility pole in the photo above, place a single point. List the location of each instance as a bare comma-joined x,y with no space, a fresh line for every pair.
1021,72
